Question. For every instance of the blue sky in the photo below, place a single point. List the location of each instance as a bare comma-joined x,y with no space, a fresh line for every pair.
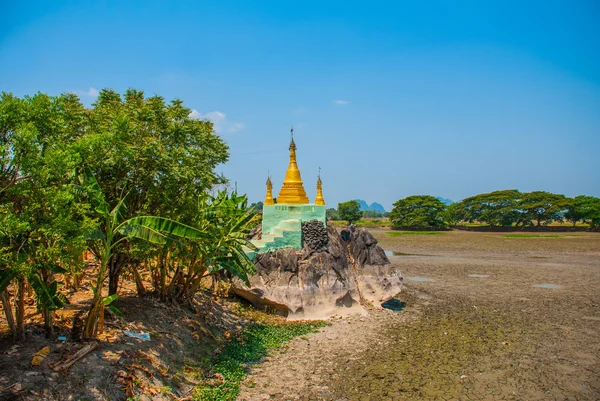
448,98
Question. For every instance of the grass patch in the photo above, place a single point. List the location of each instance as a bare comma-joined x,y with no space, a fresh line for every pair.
399,233
533,236
249,347
363,223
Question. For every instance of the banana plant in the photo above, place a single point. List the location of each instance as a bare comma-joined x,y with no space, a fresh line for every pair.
115,230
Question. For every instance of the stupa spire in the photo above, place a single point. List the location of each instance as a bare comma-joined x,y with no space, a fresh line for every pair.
269,198
292,191
319,199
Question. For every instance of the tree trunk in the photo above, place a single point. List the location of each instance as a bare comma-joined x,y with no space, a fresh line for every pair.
48,327
163,278
118,261
92,319
20,326
10,319
139,284
45,311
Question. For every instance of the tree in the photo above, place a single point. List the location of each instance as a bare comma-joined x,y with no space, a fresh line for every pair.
218,244
153,150
542,207
583,208
258,206
349,211
454,213
42,223
419,211
497,208
371,214
332,214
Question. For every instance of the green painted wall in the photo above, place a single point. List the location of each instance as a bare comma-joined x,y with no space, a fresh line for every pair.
286,220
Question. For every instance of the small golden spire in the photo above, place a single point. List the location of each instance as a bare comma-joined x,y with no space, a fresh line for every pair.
269,198
292,192
319,199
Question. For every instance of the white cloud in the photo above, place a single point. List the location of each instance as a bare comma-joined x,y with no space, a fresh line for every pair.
340,102
219,120
92,92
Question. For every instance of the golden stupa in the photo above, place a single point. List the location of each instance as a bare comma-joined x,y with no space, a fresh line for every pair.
269,198
319,199
292,192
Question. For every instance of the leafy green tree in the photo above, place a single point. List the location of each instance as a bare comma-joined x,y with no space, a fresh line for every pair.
418,211
42,224
116,229
583,208
371,214
349,211
497,208
225,222
258,206
153,150
332,214
454,213
541,207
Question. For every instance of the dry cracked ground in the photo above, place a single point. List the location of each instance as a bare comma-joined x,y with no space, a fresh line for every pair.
487,317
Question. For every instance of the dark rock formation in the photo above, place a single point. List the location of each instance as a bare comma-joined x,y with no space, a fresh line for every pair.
328,274
314,235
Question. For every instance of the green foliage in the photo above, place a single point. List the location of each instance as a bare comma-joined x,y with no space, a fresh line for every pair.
532,236
223,222
401,233
349,211
42,221
542,207
250,347
498,208
332,214
418,211
454,213
583,208
371,214
154,151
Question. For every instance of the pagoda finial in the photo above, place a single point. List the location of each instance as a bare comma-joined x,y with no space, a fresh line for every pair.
319,198
269,198
292,143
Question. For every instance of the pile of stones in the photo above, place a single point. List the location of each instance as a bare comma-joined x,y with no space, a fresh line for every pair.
315,235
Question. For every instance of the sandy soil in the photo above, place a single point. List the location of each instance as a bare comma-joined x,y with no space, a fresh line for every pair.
167,367
460,337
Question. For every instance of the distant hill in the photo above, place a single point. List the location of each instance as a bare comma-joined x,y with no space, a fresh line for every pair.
363,205
375,207
444,200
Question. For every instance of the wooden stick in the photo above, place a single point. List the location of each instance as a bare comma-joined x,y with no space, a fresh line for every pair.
75,357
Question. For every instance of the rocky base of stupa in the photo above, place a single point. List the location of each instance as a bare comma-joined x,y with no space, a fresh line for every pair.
344,272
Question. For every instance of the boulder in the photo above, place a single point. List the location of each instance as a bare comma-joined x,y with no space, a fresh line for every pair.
328,276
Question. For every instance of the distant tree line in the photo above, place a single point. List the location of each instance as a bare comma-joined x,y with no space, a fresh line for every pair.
506,208
350,211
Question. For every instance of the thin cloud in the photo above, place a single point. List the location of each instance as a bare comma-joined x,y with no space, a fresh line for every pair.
92,92
220,122
340,102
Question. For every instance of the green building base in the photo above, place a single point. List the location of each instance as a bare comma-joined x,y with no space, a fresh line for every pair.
282,225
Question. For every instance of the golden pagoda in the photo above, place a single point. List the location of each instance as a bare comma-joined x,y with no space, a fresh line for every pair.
269,198
292,192
282,221
319,199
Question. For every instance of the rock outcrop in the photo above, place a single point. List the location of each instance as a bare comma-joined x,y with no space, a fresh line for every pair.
338,271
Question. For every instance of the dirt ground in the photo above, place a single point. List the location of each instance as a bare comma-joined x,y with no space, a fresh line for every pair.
492,336
168,366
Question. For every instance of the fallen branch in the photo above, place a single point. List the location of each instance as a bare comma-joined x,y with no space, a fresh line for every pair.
75,357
